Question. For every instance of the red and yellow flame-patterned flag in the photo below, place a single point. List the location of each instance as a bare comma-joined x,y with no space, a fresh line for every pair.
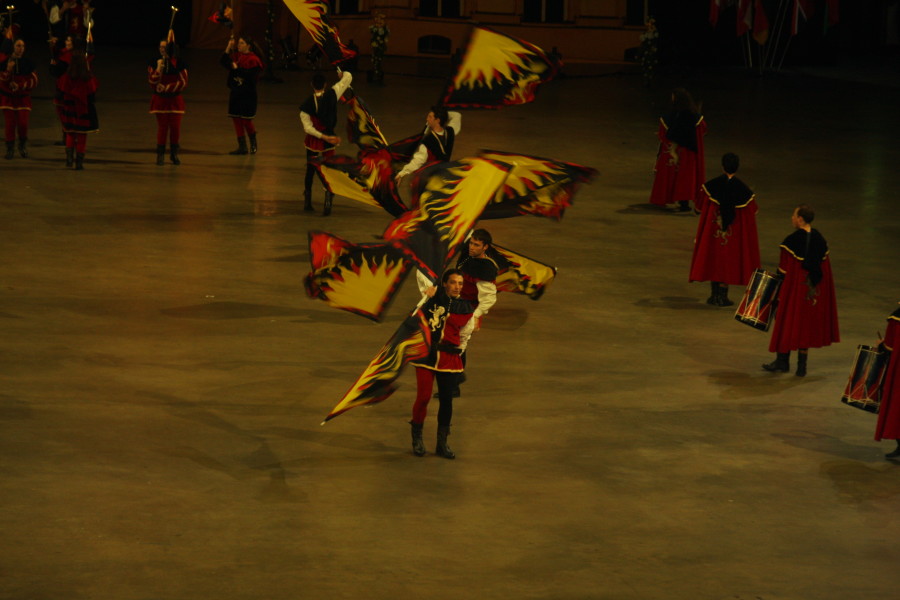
312,14
411,341
519,274
498,70
359,278
362,129
367,179
449,200
537,186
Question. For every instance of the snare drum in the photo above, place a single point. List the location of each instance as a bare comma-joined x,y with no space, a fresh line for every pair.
757,307
864,386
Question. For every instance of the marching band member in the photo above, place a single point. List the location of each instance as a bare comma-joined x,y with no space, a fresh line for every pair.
167,76
807,311
888,426
244,69
78,86
17,79
726,249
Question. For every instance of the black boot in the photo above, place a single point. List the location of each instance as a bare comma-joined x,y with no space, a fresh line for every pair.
329,198
684,206
79,161
801,363
442,448
10,150
160,155
70,157
307,201
781,364
418,445
23,147
895,453
252,143
713,294
723,296
242,147
173,154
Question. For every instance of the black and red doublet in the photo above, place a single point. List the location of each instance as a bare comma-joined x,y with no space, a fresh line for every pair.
449,320
167,86
888,426
79,114
680,181
323,113
15,94
806,316
726,249
242,83
478,281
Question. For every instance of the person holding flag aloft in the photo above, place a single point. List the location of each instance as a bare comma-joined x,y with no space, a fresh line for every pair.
17,79
244,69
167,76
441,128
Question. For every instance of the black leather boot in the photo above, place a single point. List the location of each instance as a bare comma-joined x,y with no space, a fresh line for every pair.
781,364
723,296
160,154
70,157
242,147
801,363
418,445
252,143
173,154
10,150
23,147
329,199
307,201
895,453
442,448
713,293
79,161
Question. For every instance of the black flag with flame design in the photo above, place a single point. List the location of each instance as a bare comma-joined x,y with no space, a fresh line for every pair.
312,14
498,70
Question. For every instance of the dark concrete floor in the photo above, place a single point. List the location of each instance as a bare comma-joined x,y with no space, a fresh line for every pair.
164,375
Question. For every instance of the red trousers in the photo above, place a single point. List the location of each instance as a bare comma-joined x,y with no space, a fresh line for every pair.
424,384
77,141
240,125
168,124
16,120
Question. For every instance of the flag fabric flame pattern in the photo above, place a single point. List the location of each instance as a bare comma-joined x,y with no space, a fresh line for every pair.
536,186
312,15
358,278
378,381
498,70
519,274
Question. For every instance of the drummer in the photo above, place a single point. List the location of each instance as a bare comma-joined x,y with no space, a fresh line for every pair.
807,310
889,413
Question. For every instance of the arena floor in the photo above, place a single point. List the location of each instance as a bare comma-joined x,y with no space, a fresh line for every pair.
164,374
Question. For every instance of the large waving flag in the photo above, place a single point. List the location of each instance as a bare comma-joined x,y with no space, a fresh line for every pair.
537,186
448,203
498,70
378,381
312,14
519,274
368,178
362,129
359,278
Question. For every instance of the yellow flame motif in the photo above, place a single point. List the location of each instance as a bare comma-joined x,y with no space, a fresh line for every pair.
492,55
311,15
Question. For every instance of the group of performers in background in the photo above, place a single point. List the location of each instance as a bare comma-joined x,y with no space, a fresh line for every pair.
726,251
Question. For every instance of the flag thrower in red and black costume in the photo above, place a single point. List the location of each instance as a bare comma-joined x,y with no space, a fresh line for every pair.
498,70
312,15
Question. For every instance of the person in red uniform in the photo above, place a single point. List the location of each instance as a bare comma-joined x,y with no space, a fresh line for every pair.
318,115
244,69
78,86
451,323
167,76
806,316
680,168
726,249
888,426
17,79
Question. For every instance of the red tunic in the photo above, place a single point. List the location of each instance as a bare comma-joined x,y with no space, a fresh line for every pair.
681,182
802,321
167,88
447,321
889,414
728,256
20,97
78,113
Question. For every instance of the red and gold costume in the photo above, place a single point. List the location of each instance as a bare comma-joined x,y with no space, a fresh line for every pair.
167,103
15,95
888,426
679,180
